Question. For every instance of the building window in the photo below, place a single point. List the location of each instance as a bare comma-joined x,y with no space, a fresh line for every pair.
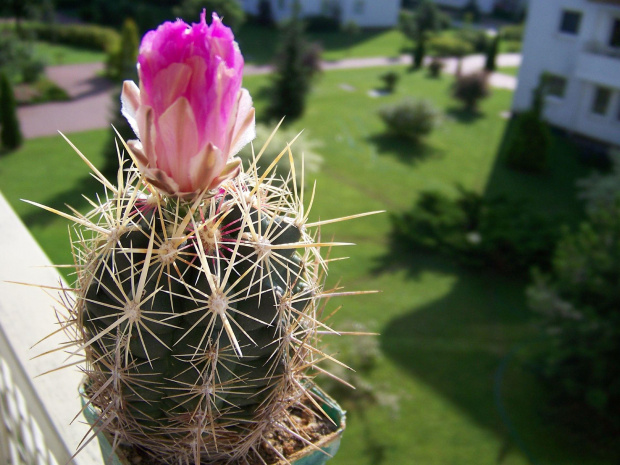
358,7
614,37
570,22
600,104
555,85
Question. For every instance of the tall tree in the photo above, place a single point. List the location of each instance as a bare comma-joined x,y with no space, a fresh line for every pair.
10,132
490,64
296,63
123,68
419,24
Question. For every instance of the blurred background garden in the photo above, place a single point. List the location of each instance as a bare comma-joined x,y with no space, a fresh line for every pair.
498,257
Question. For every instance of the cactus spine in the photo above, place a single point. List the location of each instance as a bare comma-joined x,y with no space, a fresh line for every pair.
201,320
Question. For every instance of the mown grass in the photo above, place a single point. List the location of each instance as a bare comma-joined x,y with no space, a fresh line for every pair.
58,54
447,334
510,70
260,44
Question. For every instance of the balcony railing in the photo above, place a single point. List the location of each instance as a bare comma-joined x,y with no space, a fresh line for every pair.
599,48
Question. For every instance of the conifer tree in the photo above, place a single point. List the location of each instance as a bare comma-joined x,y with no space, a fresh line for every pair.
294,70
490,64
10,132
126,69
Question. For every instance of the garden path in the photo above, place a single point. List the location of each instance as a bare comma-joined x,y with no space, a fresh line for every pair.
91,104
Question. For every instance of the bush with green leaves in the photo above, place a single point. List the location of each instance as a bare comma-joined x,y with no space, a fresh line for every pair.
512,32
390,79
17,58
470,89
411,118
577,304
495,234
527,143
435,67
477,39
449,46
601,190
87,36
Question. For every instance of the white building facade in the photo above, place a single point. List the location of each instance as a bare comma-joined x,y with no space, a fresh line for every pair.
577,44
485,6
365,13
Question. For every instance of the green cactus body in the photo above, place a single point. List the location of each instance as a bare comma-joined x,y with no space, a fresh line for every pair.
200,319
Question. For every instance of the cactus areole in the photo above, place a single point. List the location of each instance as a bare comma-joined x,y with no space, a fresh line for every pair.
199,295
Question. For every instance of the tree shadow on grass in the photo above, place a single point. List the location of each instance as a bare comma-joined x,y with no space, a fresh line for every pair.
72,197
402,148
464,116
459,343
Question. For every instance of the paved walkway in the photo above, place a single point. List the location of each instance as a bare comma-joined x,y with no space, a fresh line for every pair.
91,104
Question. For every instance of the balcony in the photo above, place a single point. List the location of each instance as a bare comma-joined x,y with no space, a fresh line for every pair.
599,63
609,2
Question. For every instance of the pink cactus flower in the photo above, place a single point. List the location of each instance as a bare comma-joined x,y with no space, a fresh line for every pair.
190,114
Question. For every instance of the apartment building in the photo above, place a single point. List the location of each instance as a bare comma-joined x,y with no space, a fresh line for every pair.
485,6
366,13
577,44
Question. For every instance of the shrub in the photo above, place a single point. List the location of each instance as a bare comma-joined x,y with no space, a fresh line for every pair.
449,46
410,118
477,39
17,58
229,9
49,91
512,32
470,89
527,143
390,79
77,35
494,234
435,67
578,306
322,23
10,132
602,190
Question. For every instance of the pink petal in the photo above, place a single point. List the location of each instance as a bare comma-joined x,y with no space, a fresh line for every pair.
177,141
130,101
244,128
170,84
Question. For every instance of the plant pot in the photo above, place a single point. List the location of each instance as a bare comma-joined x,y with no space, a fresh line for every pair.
309,455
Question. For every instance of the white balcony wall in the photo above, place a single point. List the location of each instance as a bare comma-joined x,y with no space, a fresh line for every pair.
583,59
26,317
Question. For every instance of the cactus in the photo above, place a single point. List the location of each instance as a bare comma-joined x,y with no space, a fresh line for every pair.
199,293
201,320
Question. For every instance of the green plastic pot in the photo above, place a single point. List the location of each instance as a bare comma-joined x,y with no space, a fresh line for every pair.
309,455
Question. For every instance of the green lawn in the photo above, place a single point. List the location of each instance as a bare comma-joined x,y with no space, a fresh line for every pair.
57,54
511,70
259,44
446,333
